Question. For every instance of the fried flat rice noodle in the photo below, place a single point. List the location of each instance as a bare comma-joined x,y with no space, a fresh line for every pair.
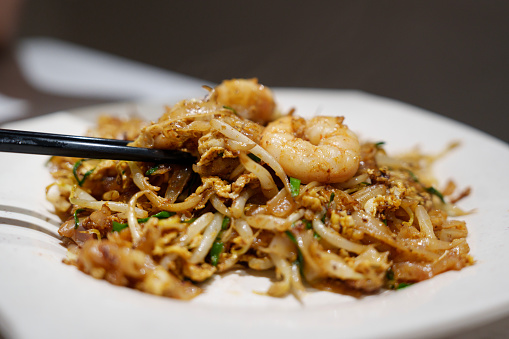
164,229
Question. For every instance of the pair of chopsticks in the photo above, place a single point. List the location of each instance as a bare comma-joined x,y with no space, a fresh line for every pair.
16,141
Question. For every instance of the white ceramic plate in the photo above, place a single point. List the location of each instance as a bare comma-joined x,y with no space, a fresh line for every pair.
40,297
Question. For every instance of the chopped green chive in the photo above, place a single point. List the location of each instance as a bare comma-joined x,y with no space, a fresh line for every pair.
218,246
48,161
161,215
380,143
226,223
430,190
413,176
76,219
402,285
117,227
291,236
189,221
300,257
331,199
254,157
294,186
390,274
308,224
391,282
151,170
164,215
75,172
231,109
215,252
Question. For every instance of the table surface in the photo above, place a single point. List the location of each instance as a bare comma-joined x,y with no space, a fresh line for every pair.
40,76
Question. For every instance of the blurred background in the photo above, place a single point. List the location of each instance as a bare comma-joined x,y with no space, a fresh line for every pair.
448,56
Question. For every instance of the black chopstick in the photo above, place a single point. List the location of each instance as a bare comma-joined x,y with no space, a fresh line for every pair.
16,141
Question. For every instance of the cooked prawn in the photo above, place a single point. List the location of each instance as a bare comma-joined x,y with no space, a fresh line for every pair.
248,98
320,149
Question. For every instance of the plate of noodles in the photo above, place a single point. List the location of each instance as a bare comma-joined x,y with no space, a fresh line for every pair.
306,212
